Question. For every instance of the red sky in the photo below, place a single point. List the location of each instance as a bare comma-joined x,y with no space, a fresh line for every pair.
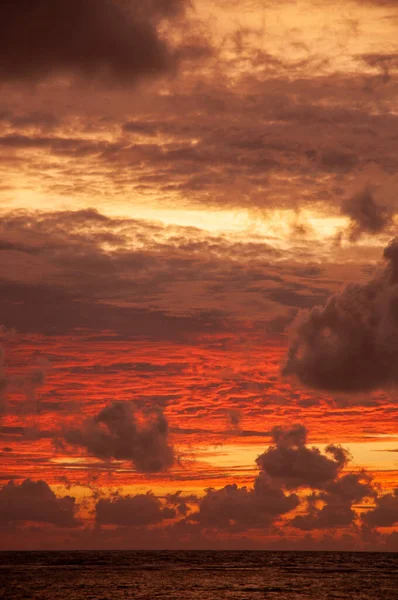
198,275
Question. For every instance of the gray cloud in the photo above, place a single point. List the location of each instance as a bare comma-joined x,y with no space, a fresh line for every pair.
181,503
35,501
337,503
237,508
88,38
116,433
351,343
290,462
90,271
385,513
367,216
132,511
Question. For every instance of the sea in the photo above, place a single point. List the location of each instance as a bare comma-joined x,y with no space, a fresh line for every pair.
202,575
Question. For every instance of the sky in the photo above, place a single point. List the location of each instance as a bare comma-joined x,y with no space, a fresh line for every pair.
199,274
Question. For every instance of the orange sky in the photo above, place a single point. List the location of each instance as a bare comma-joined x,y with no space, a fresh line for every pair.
181,183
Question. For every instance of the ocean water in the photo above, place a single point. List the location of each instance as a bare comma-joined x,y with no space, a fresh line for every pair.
198,575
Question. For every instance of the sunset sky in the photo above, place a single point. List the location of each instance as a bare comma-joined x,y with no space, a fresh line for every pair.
199,274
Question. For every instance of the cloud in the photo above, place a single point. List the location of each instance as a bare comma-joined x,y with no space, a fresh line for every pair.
35,502
290,462
181,503
287,464
366,215
89,271
3,382
27,383
351,343
385,513
132,511
383,62
337,499
90,39
237,508
234,417
116,433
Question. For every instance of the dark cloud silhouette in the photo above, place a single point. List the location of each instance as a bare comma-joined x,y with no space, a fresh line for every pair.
366,215
116,433
237,508
180,503
35,502
337,499
385,513
290,462
132,511
351,343
87,38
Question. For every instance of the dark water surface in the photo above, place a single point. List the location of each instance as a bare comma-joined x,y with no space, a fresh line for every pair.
198,575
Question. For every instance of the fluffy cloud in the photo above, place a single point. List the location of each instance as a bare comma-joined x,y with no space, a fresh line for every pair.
385,513
366,215
337,503
132,511
117,433
237,508
88,38
288,463
293,464
35,502
351,343
180,503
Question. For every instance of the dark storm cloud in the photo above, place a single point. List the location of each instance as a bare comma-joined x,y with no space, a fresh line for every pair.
87,38
116,433
293,464
35,502
351,343
132,511
366,215
385,513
